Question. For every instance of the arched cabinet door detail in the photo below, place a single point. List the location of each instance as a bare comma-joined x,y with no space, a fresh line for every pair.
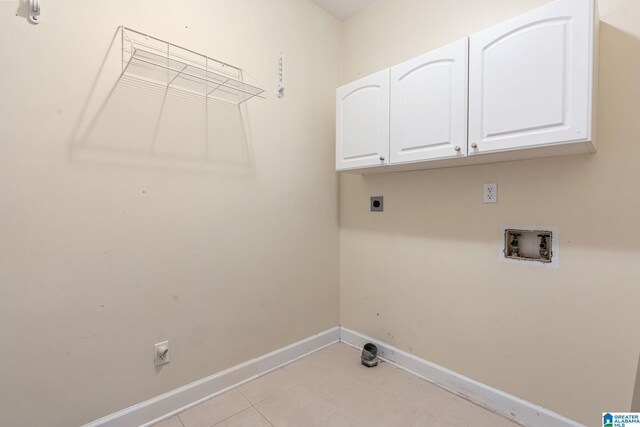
531,79
362,122
429,105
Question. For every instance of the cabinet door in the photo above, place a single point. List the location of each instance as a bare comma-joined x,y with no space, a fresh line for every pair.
362,122
429,105
530,79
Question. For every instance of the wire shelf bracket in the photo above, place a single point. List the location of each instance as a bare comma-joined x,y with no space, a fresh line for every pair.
180,68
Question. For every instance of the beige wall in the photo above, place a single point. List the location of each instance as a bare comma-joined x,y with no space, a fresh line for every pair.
124,223
111,241
424,275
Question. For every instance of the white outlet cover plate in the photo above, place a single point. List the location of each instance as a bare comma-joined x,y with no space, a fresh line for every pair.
491,193
157,360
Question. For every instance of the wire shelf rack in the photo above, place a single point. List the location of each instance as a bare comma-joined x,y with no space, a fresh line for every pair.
181,68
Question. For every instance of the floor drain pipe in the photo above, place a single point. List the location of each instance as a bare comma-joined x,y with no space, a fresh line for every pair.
370,355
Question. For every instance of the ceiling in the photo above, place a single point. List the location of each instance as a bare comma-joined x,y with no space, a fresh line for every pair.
342,9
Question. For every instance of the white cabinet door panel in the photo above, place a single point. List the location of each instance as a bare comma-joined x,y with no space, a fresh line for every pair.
429,105
531,77
362,122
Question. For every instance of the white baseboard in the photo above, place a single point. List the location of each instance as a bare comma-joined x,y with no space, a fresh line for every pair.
166,405
495,400
169,404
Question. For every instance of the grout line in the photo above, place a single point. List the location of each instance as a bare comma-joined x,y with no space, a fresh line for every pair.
225,419
252,405
326,416
261,400
231,416
262,415
276,391
271,370
243,396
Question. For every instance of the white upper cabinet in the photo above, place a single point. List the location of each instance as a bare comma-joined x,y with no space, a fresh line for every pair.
531,79
362,122
521,89
429,105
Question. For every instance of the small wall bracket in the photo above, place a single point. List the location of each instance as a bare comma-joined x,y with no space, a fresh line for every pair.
34,11
280,87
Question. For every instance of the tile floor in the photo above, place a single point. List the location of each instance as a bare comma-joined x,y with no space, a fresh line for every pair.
330,388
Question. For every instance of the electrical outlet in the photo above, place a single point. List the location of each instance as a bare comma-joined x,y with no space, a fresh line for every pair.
491,193
376,204
161,353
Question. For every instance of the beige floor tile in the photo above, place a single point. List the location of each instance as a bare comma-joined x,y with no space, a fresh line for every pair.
170,422
214,410
343,357
399,397
329,356
338,419
375,376
330,388
385,410
296,406
341,388
267,385
453,411
411,388
338,351
369,404
247,418
314,369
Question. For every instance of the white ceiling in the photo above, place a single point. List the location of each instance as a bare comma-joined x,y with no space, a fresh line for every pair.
342,9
